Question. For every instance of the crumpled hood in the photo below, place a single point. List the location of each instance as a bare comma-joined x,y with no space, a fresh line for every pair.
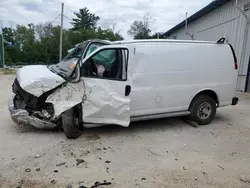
38,79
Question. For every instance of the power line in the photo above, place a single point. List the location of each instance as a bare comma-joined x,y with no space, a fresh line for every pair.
67,17
55,18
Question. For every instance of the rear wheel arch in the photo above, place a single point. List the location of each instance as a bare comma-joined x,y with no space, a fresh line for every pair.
208,92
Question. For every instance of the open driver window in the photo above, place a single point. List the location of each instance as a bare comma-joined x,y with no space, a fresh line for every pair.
108,63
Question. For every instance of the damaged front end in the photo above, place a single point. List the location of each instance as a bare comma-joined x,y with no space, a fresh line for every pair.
26,108
42,93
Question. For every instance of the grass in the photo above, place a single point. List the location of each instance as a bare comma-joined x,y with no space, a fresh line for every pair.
8,71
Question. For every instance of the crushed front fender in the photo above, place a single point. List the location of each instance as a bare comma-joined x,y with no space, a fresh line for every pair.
66,97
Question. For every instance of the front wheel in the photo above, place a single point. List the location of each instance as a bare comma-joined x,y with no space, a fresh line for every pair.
202,109
71,123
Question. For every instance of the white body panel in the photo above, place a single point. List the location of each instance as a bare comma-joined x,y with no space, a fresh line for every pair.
38,79
169,74
105,102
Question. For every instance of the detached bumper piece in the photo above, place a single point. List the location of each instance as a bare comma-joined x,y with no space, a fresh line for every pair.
235,100
21,116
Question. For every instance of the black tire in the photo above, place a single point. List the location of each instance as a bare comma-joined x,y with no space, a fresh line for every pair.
197,115
72,128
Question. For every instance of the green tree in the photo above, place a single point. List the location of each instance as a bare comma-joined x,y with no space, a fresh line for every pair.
39,44
11,52
140,29
84,19
8,35
157,35
119,36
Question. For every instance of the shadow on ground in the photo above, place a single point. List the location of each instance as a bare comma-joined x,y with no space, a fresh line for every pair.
166,124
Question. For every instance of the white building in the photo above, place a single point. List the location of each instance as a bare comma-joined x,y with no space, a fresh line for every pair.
222,18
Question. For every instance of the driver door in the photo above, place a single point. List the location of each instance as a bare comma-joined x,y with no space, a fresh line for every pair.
107,99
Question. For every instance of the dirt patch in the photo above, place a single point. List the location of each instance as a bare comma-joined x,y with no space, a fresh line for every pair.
28,183
93,137
157,153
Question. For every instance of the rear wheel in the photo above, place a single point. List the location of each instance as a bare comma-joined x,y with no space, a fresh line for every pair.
71,123
202,109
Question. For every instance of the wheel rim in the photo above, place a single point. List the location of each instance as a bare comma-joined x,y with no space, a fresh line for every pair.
204,110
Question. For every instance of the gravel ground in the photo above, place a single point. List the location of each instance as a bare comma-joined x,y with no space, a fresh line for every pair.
158,153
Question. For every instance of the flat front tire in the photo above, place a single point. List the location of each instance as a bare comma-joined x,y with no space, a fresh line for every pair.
71,123
202,109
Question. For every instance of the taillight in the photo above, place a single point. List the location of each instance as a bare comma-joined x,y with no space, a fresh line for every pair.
235,65
235,59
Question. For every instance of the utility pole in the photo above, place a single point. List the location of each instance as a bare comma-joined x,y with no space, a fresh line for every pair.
1,51
61,34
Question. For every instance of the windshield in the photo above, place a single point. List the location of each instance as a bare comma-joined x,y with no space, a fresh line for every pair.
66,67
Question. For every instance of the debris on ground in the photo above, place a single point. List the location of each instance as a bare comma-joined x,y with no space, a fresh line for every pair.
72,154
211,133
156,154
53,181
27,170
143,178
244,180
82,186
69,186
191,123
221,167
85,153
38,169
196,178
98,149
232,154
184,168
107,161
60,164
80,182
55,171
13,158
97,184
104,148
176,159
204,173
107,169
100,158
79,161
37,156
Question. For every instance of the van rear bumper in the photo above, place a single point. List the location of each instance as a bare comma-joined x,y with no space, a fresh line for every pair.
235,100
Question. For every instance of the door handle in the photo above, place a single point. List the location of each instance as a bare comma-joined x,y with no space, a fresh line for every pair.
127,90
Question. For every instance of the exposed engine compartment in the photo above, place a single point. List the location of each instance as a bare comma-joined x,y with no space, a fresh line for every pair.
35,106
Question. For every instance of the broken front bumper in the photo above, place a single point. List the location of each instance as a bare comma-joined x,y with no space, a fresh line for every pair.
21,116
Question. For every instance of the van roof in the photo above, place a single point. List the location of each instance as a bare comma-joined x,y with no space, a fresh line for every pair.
163,40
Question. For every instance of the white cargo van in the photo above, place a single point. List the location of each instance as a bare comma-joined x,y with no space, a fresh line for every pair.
102,83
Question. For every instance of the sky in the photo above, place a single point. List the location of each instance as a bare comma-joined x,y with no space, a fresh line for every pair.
121,13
